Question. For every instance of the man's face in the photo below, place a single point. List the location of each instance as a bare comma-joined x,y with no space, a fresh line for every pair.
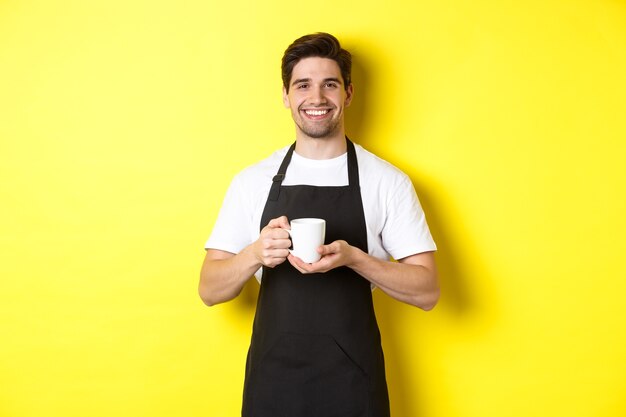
317,97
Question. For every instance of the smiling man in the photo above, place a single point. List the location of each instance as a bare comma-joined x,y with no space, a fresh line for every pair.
316,348
317,97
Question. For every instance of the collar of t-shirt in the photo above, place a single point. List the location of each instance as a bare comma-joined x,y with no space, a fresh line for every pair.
318,172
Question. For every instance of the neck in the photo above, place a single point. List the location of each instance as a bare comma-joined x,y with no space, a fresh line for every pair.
321,148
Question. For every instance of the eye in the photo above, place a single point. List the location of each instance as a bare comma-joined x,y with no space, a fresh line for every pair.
331,84
302,86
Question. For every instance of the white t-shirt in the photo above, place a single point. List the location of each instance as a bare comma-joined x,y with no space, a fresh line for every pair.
396,225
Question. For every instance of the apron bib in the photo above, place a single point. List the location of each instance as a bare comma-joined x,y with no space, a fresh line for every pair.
315,349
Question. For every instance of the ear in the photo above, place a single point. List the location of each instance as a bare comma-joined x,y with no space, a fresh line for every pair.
349,95
285,98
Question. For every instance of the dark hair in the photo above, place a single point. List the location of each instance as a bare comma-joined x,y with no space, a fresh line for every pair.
323,45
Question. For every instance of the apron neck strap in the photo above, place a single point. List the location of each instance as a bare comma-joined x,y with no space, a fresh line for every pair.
353,166
280,175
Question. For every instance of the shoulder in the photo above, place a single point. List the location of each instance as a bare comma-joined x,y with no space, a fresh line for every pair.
375,170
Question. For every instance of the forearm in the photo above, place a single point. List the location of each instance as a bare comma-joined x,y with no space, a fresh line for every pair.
224,275
407,281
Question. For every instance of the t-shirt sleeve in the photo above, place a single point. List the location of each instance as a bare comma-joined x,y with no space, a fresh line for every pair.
231,232
406,232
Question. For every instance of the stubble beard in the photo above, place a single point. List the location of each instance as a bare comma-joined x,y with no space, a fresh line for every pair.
319,131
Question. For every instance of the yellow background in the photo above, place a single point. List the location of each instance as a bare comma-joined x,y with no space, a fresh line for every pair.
123,122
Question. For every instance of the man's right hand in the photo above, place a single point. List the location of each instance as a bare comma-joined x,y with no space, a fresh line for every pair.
224,274
272,246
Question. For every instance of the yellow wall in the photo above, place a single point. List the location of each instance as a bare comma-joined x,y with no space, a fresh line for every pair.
122,123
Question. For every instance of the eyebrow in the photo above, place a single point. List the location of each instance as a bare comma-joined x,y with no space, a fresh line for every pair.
308,80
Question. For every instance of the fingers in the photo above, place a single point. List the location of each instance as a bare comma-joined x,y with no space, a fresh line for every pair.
280,222
334,255
273,243
275,229
275,239
275,234
272,258
273,248
300,265
323,265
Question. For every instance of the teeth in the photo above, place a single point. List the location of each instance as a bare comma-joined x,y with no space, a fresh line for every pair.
316,112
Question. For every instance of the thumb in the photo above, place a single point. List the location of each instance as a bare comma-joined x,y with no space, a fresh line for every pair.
325,249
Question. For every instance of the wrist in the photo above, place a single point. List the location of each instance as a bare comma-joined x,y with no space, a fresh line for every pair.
251,258
356,258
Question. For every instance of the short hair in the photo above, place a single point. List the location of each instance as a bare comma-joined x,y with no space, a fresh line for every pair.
322,45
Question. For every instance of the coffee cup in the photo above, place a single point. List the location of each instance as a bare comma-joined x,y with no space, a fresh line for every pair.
307,235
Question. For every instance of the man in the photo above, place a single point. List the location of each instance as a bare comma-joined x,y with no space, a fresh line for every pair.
315,348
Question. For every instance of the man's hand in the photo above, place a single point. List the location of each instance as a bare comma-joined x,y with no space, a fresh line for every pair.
224,274
272,246
336,254
412,279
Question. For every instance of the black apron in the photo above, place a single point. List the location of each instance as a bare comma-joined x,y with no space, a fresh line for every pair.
316,349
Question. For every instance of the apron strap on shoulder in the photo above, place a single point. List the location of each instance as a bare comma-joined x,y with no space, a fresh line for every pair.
353,166
277,180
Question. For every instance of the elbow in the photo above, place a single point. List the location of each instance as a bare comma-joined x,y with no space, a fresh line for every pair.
213,296
428,306
207,297
428,301
429,298
207,300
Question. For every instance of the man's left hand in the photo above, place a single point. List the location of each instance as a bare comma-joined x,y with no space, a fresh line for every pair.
336,254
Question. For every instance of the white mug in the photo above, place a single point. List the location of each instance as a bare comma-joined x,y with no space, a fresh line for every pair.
306,236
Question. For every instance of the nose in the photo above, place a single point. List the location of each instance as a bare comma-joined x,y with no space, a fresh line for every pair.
317,96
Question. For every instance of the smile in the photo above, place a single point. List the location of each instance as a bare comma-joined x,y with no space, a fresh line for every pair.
316,112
